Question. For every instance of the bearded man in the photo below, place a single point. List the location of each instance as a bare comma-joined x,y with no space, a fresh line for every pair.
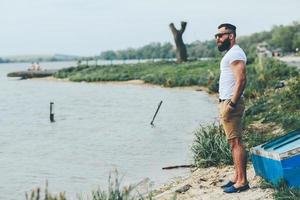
231,104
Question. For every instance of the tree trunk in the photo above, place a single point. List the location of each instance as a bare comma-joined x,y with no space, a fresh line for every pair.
181,54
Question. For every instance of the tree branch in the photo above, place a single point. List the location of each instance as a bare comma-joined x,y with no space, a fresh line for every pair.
173,29
183,25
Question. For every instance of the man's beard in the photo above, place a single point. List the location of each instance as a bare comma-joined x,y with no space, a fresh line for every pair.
225,45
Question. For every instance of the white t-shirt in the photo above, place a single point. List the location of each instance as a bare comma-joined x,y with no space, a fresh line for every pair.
227,81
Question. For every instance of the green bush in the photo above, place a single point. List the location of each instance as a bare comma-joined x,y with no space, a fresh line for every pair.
281,106
211,148
213,85
168,74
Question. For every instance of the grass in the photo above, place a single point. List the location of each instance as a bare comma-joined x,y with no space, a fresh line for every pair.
281,106
210,147
264,75
282,191
37,194
115,191
167,73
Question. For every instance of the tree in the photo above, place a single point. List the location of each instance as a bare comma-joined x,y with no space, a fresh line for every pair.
296,41
282,37
181,53
108,55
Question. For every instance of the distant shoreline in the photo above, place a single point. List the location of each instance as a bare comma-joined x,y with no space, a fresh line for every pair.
133,82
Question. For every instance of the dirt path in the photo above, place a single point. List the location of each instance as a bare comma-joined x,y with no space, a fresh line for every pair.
291,60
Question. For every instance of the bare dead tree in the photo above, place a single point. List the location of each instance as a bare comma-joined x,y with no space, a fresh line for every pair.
181,54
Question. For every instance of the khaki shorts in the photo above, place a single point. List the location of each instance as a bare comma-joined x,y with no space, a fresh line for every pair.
231,120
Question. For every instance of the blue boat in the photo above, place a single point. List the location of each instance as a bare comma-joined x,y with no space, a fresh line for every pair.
279,159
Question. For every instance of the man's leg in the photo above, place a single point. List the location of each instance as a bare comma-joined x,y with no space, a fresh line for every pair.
235,176
239,159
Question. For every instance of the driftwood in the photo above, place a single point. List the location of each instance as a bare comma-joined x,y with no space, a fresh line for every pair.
179,166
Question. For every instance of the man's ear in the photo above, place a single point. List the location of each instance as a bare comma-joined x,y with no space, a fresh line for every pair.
231,36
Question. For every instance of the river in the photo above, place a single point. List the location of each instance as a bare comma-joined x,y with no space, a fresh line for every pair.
98,128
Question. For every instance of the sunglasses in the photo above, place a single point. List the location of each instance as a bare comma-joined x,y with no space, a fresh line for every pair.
219,35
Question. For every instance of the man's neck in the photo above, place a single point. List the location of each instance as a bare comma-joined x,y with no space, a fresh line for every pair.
232,44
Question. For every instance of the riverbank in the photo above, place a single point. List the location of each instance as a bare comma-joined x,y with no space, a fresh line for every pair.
165,73
205,184
137,82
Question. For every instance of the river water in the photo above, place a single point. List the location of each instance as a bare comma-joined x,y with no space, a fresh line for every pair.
98,128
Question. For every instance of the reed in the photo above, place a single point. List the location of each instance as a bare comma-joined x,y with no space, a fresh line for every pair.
115,191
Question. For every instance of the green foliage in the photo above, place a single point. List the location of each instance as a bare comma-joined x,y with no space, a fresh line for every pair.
249,43
213,85
253,137
267,103
150,51
210,148
3,60
265,74
282,191
169,74
206,49
114,192
36,194
296,41
285,37
281,106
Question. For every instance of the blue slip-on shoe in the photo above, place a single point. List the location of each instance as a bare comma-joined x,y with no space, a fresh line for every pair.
233,189
230,183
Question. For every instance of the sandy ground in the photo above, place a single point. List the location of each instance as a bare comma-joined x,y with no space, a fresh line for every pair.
133,82
205,185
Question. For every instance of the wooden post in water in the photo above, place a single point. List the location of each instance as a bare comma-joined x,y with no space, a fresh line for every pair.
52,112
156,113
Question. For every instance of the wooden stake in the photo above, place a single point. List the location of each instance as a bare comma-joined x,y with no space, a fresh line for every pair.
51,112
156,113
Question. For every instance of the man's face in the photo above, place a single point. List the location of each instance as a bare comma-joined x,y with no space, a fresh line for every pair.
223,39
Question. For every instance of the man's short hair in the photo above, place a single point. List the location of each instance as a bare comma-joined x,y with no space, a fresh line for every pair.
230,27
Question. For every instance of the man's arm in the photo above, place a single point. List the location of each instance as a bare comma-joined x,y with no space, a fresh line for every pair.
239,71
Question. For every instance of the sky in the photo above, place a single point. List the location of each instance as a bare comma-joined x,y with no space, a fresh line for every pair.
88,27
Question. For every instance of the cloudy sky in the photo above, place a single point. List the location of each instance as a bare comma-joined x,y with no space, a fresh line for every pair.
87,27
